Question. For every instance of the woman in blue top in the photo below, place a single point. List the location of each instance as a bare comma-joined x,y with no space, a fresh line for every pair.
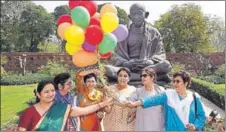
179,104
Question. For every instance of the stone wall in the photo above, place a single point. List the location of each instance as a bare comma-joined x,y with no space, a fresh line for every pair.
35,60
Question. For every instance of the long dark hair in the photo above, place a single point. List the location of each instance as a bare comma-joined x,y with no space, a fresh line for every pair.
40,87
61,79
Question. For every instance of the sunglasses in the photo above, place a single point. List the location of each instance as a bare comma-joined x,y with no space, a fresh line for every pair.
145,75
176,81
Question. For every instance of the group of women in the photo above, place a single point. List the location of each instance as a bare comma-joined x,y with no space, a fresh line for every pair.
148,108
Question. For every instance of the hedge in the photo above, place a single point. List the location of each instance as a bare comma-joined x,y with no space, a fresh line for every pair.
214,93
29,78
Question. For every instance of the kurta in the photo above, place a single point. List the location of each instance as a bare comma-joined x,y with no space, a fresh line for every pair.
150,119
116,120
178,112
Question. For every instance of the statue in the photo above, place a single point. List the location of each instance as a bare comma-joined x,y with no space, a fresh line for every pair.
142,48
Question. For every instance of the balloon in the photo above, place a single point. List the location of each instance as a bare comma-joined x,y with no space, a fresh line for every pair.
88,47
104,56
83,58
64,18
71,49
61,29
74,35
108,43
80,16
74,3
109,22
121,32
97,15
94,21
91,6
108,8
94,34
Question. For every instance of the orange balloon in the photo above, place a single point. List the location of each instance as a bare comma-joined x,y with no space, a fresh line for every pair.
61,29
108,8
83,59
97,15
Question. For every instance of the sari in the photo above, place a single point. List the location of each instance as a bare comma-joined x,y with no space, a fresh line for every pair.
53,120
91,121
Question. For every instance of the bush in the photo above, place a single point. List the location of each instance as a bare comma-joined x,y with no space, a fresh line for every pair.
53,68
176,67
49,47
213,79
214,93
221,71
29,78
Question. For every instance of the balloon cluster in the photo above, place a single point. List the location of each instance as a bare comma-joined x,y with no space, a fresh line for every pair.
90,35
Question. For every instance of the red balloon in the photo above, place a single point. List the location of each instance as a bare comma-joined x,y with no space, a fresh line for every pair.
104,56
94,34
94,21
91,6
73,3
64,18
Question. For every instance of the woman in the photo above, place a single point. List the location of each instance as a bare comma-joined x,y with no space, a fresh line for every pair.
150,119
63,84
180,114
46,115
90,122
116,117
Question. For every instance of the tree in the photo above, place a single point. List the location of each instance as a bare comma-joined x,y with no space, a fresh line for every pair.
123,16
58,11
36,25
185,29
10,16
217,28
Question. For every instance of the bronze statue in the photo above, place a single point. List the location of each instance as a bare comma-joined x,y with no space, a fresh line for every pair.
142,48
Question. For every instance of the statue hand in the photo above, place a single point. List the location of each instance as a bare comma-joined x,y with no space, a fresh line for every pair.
129,64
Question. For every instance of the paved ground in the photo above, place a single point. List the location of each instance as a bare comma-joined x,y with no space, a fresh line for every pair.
209,106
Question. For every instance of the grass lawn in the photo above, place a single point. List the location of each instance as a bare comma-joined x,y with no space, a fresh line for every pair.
13,100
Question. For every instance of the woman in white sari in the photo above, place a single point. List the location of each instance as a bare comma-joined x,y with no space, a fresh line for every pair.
150,119
116,117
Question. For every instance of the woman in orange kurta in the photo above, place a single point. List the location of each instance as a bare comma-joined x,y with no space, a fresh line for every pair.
89,122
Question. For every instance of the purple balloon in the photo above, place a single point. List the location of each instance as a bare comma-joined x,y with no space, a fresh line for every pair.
88,47
121,32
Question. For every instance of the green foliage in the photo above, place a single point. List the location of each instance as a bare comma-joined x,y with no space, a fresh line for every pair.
25,26
185,29
219,88
18,79
60,10
48,47
177,67
221,71
53,68
213,79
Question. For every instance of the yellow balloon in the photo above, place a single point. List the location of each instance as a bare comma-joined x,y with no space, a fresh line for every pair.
74,35
71,49
109,22
61,29
108,8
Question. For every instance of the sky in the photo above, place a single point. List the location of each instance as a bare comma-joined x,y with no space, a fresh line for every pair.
155,8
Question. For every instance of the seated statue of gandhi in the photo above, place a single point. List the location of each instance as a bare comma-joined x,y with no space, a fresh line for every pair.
142,48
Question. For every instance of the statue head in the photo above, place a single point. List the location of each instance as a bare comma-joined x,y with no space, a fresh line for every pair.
138,14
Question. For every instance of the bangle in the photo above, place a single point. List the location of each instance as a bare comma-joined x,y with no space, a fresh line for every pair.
99,105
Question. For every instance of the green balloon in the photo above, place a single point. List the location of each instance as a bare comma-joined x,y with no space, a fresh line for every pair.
108,43
80,16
